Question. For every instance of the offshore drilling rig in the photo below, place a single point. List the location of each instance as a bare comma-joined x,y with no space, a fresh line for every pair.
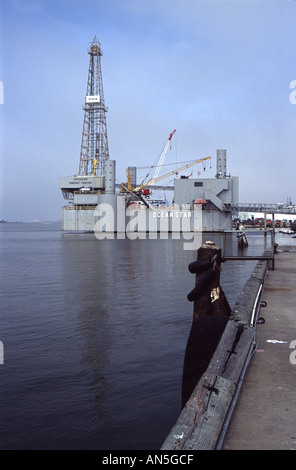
94,184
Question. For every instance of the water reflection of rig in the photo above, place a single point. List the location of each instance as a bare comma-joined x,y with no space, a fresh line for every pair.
95,184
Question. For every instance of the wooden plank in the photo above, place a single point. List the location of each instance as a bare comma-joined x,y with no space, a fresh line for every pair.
202,342
208,427
221,354
242,310
235,363
195,407
201,420
232,350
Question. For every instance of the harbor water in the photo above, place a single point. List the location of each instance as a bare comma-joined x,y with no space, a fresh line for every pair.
94,335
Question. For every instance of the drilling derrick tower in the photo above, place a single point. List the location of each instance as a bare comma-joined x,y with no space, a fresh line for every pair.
94,144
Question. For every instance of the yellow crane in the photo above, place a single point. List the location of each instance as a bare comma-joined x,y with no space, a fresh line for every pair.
173,172
127,187
94,161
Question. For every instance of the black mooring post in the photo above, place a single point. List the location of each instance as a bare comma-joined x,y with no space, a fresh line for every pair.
211,313
208,295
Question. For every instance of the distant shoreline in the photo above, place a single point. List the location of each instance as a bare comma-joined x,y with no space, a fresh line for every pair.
3,221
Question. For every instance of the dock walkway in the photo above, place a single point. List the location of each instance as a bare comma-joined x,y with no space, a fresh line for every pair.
264,415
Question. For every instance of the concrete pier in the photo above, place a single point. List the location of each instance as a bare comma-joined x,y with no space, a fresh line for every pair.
264,415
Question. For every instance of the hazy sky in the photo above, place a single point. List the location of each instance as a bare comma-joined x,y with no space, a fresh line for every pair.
217,71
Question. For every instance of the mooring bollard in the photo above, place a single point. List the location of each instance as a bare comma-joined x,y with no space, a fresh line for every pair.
207,295
242,240
211,313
